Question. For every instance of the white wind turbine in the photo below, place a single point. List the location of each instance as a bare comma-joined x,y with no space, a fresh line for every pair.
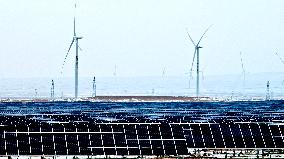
76,40
196,52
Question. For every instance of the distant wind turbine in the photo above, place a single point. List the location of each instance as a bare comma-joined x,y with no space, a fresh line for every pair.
76,40
115,71
164,72
243,69
196,51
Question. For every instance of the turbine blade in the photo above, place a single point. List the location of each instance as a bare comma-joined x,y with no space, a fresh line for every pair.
74,19
243,68
80,48
190,37
70,47
204,34
191,68
74,27
67,55
279,57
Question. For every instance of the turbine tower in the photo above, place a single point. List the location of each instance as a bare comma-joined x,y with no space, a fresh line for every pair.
76,40
196,51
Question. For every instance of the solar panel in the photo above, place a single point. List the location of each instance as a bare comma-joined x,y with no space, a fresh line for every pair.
267,136
249,141
142,132
197,136
166,131
146,147
122,151
276,132
257,135
60,148
207,136
170,148
238,136
98,151
181,147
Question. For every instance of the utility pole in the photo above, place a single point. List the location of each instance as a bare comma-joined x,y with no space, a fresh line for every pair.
52,90
36,94
94,94
267,91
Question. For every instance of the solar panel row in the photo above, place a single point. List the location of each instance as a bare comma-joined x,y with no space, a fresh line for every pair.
37,138
84,128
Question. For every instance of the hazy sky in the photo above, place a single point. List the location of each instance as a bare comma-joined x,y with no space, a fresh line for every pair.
141,37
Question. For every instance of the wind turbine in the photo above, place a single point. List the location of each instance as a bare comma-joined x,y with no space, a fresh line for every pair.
76,40
164,72
115,71
196,51
243,69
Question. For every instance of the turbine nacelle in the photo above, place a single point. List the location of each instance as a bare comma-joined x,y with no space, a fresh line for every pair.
78,37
